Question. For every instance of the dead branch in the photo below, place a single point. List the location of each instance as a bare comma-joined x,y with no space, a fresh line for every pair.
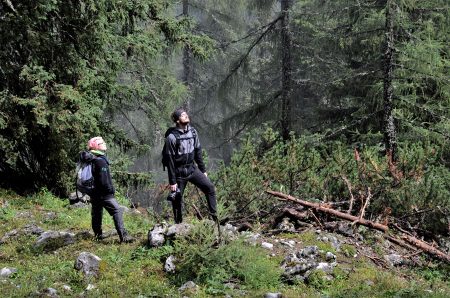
336,213
363,208
352,199
377,261
427,248
400,242
317,219
197,212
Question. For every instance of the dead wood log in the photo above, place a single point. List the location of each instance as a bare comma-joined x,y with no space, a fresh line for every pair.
336,213
400,242
427,248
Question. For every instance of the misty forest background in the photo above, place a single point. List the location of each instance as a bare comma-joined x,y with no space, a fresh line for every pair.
324,100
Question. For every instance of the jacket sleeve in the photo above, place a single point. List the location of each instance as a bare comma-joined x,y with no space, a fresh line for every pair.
102,176
170,152
198,154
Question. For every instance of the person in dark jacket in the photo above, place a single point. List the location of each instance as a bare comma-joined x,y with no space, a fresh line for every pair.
103,193
184,151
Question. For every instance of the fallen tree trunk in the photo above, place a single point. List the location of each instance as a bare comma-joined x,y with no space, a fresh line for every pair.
336,213
426,247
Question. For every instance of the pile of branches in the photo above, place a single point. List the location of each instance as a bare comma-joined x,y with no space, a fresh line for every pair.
392,231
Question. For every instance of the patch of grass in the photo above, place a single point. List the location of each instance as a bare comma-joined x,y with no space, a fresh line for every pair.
348,250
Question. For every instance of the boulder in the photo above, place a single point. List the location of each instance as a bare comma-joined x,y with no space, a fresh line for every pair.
78,205
156,236
32,229
49,292
330,256
394,259
176,230
286,225
7,271
188,286
88,263
273,295
267,245
77,197
169,265
52,240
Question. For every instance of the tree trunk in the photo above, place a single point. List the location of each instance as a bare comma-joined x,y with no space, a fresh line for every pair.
319,207
187,60
286,68
390,134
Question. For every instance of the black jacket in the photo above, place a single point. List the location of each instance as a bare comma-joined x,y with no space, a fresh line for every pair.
182,153
103,186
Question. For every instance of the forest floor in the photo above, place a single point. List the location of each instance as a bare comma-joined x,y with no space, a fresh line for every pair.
339,262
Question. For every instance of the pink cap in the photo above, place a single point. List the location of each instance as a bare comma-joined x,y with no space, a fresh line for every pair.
94,143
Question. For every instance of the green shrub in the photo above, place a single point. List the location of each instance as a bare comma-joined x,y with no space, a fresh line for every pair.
212,265
316,171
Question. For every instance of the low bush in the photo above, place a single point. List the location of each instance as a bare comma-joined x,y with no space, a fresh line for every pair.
201,259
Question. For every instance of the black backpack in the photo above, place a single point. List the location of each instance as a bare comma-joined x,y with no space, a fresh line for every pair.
177,134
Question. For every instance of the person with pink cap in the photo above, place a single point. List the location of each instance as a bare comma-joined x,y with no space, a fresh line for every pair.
103,193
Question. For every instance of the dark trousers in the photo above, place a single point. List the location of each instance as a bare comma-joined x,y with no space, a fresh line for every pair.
201,181
113,208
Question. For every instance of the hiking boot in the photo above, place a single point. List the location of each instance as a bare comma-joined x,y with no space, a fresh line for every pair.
126,238
99,237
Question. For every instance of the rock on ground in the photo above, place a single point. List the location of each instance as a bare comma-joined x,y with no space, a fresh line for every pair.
88,263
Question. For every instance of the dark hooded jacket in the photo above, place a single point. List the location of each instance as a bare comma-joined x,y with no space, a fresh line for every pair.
103,186
183,153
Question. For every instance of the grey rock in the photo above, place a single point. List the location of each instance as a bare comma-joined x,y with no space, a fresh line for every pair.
67,288
52,240
50,292
231,285
84,235
7,271
49,216
169,265
273,295
156,235
32,229
190,285
290,243
24,214
230,228
267,245
78,205
309,251
300,268
250,237
9,235
90,287
286,225
394,259
88,263
176,230
335,243
76,197
330,256
345,229
326,267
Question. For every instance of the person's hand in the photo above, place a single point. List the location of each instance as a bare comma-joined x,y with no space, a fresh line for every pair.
173,187
206,174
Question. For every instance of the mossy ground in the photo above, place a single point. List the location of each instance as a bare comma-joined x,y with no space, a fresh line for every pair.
131,270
